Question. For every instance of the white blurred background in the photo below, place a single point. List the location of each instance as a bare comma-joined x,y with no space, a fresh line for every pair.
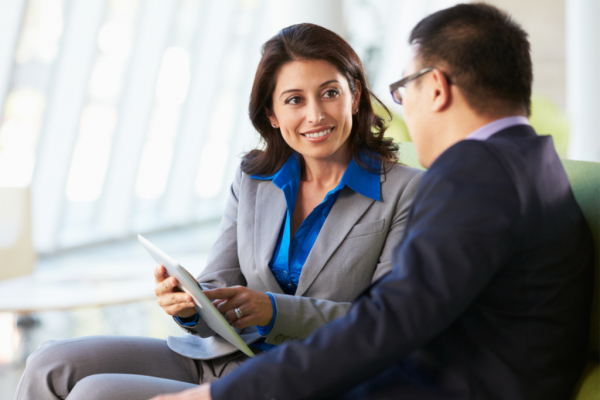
120,117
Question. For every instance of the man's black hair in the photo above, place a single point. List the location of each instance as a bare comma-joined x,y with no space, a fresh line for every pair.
483,51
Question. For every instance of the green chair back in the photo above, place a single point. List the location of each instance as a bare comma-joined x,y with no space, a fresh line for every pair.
585,182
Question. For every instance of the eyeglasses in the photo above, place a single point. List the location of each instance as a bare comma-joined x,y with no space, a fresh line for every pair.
398,89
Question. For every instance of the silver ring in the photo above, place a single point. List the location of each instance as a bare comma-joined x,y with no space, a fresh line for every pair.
238,313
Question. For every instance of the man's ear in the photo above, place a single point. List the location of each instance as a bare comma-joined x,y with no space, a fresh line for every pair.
272,118
442,95
356,97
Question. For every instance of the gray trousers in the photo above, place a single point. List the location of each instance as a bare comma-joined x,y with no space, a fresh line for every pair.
115,368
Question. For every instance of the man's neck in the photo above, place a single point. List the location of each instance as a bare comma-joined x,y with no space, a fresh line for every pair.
458,128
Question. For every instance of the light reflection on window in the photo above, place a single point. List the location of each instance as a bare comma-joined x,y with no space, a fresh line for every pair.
98,120
91,154
157,154
106,79
43,26
26,102
174,77
215,152
171,92
23,114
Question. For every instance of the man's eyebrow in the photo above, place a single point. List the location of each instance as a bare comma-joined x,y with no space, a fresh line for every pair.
300,90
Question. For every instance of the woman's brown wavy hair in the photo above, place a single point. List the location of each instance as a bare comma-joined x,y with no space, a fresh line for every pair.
312,42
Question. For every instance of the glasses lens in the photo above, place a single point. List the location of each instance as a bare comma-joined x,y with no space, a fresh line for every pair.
397,96
401,92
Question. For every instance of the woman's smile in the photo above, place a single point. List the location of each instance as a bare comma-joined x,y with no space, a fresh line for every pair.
318,135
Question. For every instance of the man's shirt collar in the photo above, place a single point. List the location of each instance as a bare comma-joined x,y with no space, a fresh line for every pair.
486,131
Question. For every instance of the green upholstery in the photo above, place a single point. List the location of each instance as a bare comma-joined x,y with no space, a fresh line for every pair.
548,119
407,155
589,384
397,129
585,182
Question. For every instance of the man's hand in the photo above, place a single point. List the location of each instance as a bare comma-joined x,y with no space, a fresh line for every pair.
201,392
255,306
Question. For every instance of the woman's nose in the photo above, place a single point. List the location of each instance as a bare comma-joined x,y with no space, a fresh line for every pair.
315,113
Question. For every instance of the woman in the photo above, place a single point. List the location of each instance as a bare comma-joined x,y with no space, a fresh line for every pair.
311,221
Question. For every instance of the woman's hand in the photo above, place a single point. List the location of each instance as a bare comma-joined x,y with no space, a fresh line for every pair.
170,298
202,392
255,306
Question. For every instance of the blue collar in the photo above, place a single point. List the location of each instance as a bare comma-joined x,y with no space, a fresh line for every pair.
356,177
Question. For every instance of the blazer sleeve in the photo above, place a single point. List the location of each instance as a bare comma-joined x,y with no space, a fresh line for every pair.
461,230
223,266
298,317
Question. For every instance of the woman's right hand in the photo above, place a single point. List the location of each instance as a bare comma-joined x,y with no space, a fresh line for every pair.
174,301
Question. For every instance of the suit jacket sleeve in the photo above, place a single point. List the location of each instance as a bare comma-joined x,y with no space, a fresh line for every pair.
223,266
461,230
298,317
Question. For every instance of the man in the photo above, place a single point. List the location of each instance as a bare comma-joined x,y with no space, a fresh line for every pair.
490,290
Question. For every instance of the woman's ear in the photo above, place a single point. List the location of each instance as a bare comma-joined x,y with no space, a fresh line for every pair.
356,97
272,118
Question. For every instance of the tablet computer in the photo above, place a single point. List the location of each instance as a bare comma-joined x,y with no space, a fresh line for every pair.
204,307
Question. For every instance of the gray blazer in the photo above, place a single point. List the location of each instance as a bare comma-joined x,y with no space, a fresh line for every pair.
353,249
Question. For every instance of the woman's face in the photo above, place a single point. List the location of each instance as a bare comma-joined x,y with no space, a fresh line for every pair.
313,107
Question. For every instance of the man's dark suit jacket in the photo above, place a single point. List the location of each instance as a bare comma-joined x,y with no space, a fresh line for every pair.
488,297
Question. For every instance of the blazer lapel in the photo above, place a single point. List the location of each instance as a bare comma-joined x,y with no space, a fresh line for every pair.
270,212
344,214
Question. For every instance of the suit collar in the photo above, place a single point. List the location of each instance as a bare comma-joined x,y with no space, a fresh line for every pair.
291,169
361,180
356,177
345,213
515,131
270,214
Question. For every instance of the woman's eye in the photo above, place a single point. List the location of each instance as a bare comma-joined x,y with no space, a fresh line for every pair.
331,93
293,100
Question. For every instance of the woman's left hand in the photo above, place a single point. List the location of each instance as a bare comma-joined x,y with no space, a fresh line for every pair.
202,392
255,306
